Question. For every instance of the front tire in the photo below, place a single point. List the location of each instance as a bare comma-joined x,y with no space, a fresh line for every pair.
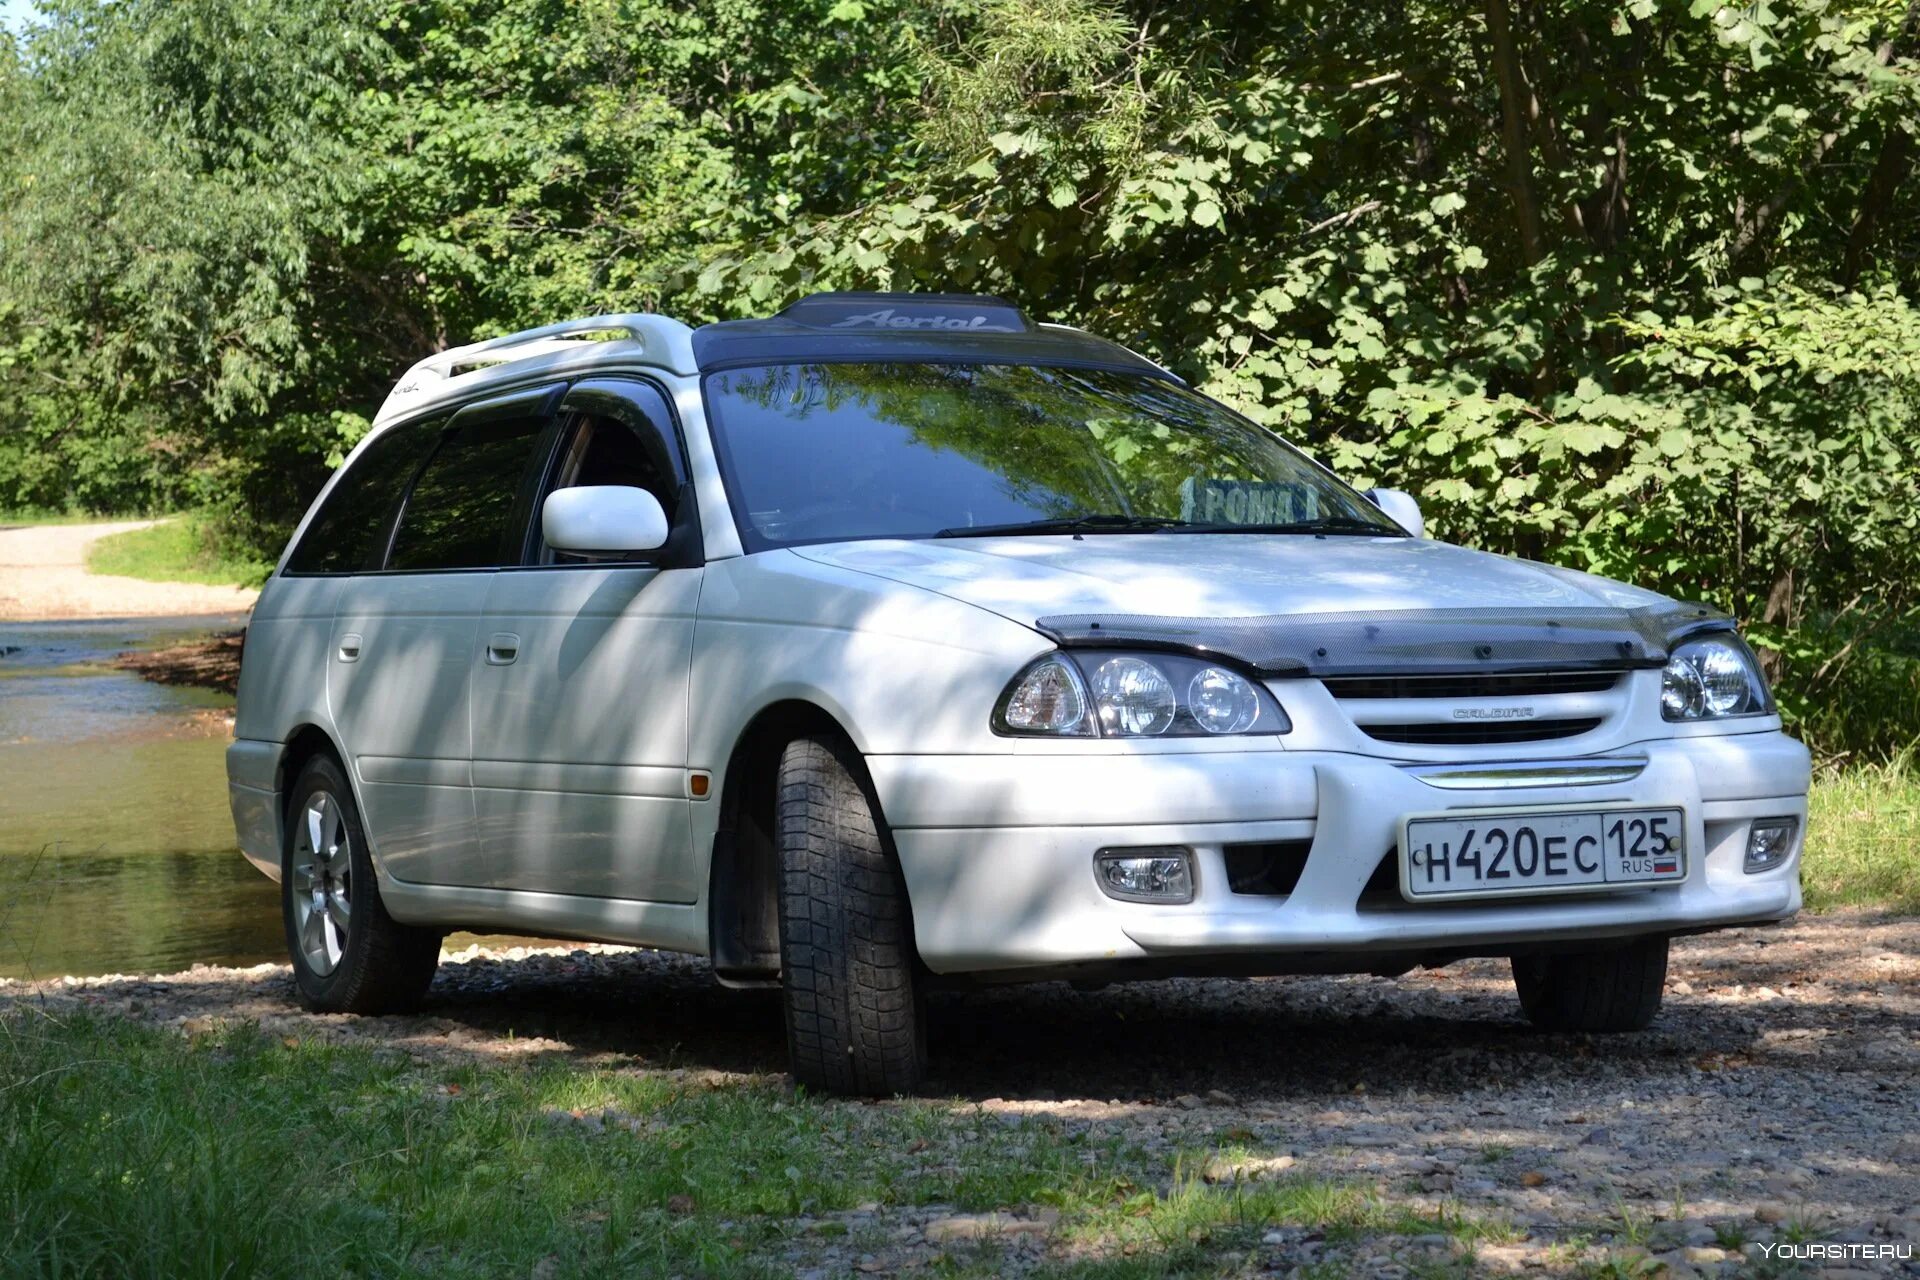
855,1021
349,955
1615,989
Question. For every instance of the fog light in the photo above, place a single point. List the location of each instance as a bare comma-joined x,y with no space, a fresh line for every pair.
1156,874
1770,841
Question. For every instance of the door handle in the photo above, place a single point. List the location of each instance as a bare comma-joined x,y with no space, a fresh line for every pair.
350,647
502,647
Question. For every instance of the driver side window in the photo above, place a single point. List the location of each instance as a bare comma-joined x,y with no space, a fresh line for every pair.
603,449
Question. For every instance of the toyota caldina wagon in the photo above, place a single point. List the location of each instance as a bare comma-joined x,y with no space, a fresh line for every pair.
896,640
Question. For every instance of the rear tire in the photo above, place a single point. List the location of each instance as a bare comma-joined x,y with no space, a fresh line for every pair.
349,955
855,1020
1615,989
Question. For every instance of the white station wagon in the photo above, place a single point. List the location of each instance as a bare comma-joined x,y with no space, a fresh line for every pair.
895,641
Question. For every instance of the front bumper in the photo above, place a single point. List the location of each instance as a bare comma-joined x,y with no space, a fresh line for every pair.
998,852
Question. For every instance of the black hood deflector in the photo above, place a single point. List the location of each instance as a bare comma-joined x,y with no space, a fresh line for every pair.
1406,641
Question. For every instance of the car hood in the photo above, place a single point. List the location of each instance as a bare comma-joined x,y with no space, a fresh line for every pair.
1240,575
1290,603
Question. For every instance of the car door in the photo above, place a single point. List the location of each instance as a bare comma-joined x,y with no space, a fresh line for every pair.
580,682
404,637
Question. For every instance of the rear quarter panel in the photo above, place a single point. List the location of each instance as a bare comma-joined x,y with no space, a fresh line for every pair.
282,688
283,677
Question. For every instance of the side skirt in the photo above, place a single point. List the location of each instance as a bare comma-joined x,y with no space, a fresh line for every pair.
669,926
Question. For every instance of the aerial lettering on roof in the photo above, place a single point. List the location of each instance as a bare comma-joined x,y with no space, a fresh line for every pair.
891,318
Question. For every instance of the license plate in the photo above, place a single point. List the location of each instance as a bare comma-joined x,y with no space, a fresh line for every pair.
1487,855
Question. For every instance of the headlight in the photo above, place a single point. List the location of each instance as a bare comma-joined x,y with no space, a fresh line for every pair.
1133,695
1049,700
1134,698
1713,677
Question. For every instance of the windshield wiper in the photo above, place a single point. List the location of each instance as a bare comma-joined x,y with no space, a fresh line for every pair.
1068,524
1325,524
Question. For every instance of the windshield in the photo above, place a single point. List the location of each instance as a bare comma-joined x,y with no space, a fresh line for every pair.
829,452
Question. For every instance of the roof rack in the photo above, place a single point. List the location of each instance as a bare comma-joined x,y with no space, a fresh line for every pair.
663,340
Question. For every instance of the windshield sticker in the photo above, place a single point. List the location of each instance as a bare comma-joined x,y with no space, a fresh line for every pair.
1208,501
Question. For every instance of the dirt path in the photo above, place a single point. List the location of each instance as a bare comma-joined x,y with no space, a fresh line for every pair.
43,576
1773,1101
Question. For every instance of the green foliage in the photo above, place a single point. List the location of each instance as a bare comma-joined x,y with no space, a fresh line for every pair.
1630,287
188,548
227,227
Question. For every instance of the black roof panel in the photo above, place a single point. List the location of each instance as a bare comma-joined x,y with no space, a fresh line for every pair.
905,327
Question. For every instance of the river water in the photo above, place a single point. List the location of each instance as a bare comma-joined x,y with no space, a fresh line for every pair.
116,849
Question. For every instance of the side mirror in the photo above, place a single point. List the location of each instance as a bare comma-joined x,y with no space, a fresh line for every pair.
596,519
1401,507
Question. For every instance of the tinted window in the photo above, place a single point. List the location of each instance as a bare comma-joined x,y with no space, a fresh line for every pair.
612,452
608,451
342,536
824,452
461,512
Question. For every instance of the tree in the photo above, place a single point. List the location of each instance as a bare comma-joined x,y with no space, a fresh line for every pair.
1630,286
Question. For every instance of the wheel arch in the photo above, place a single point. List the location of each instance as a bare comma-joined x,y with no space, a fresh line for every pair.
743,885
303,744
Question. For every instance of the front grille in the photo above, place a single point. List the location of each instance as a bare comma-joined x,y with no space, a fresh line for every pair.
1481,731
1518,684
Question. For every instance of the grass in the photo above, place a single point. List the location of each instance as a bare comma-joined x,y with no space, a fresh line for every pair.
1864,838
134,1151
184,548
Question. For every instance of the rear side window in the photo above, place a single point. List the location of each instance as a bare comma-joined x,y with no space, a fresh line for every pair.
462,511
349,532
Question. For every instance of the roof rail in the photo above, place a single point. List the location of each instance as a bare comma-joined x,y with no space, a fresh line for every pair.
663,339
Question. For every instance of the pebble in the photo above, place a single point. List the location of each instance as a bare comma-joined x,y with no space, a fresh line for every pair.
1248,1169
985,1226
1675,1264
1499,1258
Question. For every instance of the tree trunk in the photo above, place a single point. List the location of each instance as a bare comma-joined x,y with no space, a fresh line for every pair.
1778,612
1889,171
1896,159
1750,230
1513,118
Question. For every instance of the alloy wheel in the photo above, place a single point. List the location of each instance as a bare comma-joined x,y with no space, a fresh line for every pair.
322,870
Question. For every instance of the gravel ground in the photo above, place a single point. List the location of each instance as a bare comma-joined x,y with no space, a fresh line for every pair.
43,574
1776,1100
